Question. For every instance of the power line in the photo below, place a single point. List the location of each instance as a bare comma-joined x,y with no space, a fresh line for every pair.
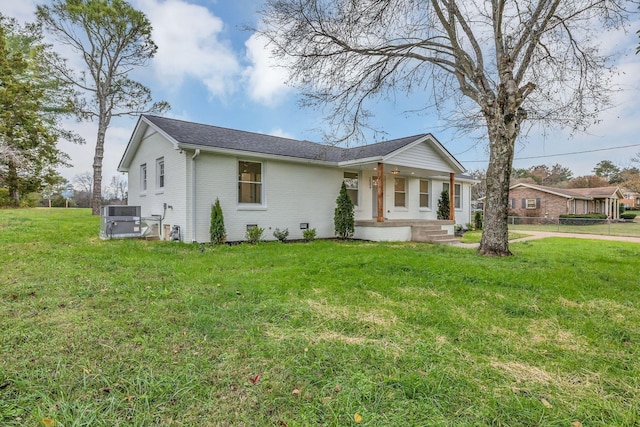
557,155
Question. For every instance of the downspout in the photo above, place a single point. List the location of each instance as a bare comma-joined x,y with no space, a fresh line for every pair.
193,194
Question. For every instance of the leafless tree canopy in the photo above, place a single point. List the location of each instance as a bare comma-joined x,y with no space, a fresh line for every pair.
496,64
343,52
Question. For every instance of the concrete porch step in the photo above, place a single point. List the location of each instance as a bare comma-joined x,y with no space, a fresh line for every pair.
432,234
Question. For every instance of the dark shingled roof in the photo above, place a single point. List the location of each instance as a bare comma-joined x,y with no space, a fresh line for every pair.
214,136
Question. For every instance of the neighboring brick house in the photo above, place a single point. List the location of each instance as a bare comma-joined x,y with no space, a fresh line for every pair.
532,200
631,199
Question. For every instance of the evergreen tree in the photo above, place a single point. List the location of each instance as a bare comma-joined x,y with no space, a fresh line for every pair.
343,220
217,230
31,102
112,38
443,205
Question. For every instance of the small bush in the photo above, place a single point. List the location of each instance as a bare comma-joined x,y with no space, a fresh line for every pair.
30,200
281,234
477,220
629,215
254,235
583,219
343,219
5,200
217,230
443,205
585,216
309,234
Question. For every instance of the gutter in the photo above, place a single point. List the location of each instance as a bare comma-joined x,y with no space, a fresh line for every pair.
193,194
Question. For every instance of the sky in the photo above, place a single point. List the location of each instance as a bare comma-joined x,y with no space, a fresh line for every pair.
214,71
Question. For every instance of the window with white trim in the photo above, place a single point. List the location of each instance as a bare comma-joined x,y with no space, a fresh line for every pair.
351,182
143,177
160,172
424,193
531,204
249,182
457,197
400,192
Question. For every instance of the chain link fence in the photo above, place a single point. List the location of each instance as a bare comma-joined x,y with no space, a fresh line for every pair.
609,227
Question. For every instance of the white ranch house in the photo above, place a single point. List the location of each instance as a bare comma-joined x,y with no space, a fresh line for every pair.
177,169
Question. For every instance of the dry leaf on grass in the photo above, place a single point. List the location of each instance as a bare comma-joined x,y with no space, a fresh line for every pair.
255,380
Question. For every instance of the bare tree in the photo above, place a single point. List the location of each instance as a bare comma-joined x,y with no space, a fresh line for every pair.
83,181
112,38
117,189
499,64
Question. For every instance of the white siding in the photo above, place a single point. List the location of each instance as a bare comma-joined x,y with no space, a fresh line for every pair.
153,147
421,156
293,194
412,210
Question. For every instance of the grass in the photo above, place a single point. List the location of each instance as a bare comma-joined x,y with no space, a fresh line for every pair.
137,333
475,236
631,229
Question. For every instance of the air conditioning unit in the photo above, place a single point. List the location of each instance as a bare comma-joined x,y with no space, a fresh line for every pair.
118,222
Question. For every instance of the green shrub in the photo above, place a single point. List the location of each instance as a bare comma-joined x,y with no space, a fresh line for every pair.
585,216
217,230
309,234
477,220
281,234
443,205
629,215
30,200
343,219
5,200
254,234
583,219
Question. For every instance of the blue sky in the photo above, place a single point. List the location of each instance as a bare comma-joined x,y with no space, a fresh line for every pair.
213,71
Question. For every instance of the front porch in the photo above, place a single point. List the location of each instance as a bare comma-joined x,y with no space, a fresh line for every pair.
410,230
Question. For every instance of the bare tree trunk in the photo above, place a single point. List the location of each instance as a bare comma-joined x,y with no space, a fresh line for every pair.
495,233
96,197
12,184
504,117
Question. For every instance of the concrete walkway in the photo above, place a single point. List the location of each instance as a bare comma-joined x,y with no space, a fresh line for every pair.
535,235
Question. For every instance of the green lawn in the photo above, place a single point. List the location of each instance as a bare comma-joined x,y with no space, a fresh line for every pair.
475,236
631,229
137,333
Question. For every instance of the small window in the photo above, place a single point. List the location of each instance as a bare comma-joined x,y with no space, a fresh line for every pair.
531,204
424,193
457,199
249,182
160,172
400,193
351,182
143,177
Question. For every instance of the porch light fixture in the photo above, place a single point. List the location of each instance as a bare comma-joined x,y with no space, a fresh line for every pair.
395,171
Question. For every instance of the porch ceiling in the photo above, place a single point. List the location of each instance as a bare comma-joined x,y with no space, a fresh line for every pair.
403,170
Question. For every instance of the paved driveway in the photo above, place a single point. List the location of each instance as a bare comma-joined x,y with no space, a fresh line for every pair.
535,235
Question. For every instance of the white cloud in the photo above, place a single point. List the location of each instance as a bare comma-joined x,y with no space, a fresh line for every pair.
189,45
281,133
22,10
116,141
266,81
